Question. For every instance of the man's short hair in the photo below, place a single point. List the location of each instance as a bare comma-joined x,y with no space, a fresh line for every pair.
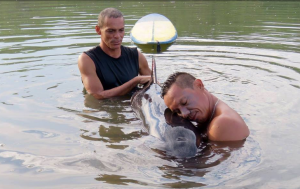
109,13
181,79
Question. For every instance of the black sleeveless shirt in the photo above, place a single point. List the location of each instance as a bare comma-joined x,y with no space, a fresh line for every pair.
114,72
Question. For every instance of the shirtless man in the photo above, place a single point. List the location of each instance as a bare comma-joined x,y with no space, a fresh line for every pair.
110,69
186,96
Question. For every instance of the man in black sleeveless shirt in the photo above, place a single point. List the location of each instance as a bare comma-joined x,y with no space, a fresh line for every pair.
111,69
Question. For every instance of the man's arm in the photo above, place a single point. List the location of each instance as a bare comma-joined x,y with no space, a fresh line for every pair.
228,126
93,84
143,65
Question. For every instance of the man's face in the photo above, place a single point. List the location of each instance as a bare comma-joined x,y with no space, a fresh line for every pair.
191,104
112,32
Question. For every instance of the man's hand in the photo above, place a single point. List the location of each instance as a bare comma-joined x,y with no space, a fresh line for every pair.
142,79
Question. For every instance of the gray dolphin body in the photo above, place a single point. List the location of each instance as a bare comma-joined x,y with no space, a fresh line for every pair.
180,136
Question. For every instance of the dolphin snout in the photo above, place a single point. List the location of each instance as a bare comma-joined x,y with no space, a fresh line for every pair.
181,142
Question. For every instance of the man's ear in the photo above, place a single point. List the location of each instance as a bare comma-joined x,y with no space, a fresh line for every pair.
97,28
198,84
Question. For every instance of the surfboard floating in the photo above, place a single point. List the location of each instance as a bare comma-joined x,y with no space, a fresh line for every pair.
153,28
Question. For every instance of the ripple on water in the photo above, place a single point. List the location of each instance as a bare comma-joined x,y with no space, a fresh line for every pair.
53,134
42,134
142,165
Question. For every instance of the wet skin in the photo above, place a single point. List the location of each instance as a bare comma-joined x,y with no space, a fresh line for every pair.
112,33
192,104
197,104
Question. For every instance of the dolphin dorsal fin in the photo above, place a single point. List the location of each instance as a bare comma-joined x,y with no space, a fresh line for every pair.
153,72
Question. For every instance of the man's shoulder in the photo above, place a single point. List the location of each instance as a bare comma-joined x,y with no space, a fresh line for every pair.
85,61
227,126
84,57
223,121
92,55
225,116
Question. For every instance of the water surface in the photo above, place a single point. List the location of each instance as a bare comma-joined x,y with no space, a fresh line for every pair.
53,135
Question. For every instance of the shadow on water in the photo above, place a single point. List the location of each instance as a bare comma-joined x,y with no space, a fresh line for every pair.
112,134
118,180
153,48
113,109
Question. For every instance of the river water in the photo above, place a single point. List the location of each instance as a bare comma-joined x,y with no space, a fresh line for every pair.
53,135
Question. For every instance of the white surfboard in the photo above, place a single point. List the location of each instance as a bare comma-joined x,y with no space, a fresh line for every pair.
153,28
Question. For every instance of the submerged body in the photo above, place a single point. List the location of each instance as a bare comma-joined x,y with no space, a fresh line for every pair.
180,136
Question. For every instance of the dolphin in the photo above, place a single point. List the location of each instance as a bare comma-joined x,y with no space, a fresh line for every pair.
180,136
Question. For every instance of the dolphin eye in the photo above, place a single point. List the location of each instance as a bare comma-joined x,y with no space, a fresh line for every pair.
179,139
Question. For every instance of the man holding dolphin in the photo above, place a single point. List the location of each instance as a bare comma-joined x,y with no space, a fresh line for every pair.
111,69
186,96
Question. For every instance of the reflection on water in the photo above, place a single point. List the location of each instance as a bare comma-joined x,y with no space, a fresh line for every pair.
118,180
115,110
112,135
198,169
154,48
54,135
